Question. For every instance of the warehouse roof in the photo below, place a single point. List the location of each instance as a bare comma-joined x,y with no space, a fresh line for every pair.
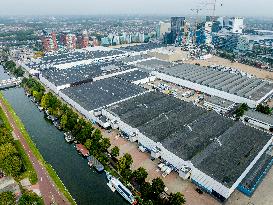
140,110
73,56
207,139
83,72
259,116
133,76
231,153
100,93
130,59
219,101
223,79
154,64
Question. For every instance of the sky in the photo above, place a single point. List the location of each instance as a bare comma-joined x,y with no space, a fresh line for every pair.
150,7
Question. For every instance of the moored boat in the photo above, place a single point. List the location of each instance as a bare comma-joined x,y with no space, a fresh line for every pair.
115,184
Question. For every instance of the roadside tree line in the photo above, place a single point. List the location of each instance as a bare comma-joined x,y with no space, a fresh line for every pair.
13,160
99,146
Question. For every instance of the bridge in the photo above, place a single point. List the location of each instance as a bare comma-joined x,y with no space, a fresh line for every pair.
12,82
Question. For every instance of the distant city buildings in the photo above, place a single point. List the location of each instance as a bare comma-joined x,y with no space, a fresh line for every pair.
68,40
49,40
163,28
83,40
236,24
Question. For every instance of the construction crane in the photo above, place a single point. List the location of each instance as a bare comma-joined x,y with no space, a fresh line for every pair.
211,6
197,20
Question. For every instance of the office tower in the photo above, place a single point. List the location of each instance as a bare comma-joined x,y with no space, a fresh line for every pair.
177,28
236,24
163,28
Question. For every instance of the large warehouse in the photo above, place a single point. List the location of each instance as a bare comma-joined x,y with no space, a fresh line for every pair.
233,86
215,152
93,95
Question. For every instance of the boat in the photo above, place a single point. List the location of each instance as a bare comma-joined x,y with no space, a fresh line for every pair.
115,184
93,162
82,150
68,137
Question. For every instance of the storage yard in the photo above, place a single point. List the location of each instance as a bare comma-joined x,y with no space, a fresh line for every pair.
149,103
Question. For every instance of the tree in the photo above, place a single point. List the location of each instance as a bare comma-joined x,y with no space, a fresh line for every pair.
63,122
37,95
7,150
140,175
146,190
148,202
157,186
96,136
263,109
12,165
7,198
126,174
45,101
129,160
88,144
115,151
104,144
121,165
241,110
30,198
5,136
176,199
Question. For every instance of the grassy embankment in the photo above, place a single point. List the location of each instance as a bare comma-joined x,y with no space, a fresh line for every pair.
37,154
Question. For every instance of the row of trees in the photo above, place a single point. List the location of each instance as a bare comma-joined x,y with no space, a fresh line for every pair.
69,120
10,160
11,67
98,146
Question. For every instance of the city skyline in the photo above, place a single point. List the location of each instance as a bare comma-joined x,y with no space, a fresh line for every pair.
142,7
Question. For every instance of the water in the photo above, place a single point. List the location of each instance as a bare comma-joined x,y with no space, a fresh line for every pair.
85,185
3,75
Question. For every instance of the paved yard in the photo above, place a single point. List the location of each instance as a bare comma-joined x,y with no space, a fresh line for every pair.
172,181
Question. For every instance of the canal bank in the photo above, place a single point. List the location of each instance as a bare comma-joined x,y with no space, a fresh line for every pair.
85,185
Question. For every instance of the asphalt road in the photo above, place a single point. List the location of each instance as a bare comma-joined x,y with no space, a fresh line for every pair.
49,191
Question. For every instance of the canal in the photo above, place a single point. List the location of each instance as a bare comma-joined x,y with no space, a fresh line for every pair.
3,75
85,185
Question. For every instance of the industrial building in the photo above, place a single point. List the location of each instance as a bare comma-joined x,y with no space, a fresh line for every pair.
78,57
259,119
214,152
219,105
228,84
90,96
58,79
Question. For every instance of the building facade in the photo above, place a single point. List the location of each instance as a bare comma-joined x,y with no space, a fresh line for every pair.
49,41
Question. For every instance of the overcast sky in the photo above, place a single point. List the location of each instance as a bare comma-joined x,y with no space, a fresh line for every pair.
105,7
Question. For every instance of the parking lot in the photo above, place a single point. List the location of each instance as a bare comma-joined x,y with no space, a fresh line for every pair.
172,181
